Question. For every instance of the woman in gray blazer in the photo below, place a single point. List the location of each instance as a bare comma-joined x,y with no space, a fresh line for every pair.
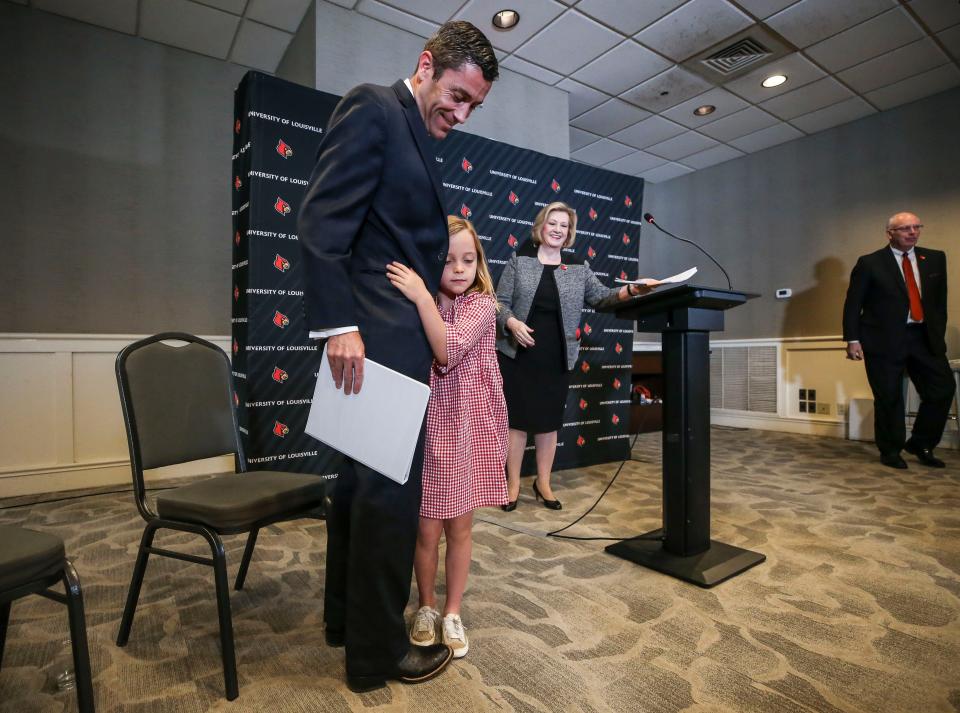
541,294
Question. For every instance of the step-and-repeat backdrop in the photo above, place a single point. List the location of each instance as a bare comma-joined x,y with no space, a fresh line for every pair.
500,188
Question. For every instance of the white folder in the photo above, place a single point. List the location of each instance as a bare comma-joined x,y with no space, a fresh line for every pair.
378,427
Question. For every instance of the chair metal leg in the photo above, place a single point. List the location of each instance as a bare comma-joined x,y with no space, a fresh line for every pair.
4,621
245,563
226,619
133,594
78,638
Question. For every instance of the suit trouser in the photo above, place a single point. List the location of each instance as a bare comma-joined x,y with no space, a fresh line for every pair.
933,379
371,538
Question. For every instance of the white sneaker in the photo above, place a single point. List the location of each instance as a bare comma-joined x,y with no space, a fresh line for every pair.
454,635
423,628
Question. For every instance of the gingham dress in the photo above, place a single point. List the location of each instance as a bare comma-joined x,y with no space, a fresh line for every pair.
466,442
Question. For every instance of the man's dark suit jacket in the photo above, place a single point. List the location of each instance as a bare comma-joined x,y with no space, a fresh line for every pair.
876,308
374,197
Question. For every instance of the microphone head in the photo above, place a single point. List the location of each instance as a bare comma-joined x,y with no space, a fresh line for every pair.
647,217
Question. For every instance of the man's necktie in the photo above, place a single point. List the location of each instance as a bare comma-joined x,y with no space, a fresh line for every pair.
913,292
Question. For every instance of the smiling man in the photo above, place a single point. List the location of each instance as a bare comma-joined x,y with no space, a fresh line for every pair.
374,198
895,319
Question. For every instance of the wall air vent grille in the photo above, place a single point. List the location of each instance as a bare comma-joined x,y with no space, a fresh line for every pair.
744,378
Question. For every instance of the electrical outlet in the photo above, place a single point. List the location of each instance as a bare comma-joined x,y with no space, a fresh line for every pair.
823,409
841,409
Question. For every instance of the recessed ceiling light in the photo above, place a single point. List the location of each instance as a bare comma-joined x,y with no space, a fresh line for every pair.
774,80
506,19
704,110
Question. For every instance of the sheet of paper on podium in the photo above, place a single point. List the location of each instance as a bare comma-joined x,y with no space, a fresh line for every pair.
672,280
378,427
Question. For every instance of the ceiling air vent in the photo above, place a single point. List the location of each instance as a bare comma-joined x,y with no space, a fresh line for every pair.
732,59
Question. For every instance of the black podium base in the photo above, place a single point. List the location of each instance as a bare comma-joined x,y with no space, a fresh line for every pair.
719,563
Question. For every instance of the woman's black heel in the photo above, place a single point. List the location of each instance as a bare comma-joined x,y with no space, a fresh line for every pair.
510,506
551,504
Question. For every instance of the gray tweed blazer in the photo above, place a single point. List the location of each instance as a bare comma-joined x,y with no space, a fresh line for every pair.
576,283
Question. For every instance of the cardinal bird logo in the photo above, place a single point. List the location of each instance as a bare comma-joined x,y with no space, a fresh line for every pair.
591,253
236,237
237,183
623,275
236,126
512,241
555,186
585,367
616,383
583,404
466,165
626,239
592,213
587,329
281,206
627,202
281,263
615,419
236,346
280,319
465,210
236,293
280,429
618,348
283,148
581,440
279,375
576,333
513,198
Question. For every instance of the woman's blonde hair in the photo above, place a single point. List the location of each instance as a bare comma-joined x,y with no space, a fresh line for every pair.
482,283
542,218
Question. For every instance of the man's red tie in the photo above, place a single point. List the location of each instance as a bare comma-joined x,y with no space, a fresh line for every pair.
913,292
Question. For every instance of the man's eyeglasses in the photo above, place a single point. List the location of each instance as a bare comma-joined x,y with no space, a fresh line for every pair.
907,228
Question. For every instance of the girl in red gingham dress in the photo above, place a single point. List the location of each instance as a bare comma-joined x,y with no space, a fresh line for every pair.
466,440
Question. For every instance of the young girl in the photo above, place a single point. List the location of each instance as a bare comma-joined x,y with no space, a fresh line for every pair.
466,440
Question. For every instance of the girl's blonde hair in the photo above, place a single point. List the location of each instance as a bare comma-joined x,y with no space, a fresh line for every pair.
482,283
545,213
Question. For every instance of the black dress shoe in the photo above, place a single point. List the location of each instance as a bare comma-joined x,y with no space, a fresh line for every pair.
894,461
552,504
421,663
334,637
510,506
924,455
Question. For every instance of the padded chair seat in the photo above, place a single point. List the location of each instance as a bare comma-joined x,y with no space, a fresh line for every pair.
233,502
27,555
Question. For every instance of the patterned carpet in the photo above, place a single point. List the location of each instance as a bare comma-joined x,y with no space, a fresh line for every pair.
855,609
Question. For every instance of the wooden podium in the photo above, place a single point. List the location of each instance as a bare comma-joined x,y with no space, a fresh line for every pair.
685,315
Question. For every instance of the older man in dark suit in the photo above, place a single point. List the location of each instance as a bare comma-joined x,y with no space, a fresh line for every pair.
375,197
895,319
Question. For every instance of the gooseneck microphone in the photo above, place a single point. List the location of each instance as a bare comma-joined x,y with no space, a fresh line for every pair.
649,218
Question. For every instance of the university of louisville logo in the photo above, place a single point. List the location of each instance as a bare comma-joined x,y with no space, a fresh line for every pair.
466,165
615,419
465,210
236,126
284,149
237,183
280,429
279,375
280,319
555,186
626,239
281,263
623,275
512,241
592,213
236,293
618,348
627,202
587,329
281,206
236,237
616,383
585,366
581,440
583,404
591,253
513,198
236,346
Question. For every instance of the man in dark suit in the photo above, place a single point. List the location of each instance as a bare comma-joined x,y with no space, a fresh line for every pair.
375,197
895,319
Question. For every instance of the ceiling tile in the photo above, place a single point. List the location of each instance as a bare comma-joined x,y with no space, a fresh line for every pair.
667,89
811,97
283,14
528,69
937,14
922,85
893,66
683,145
568,43
693,28
235,7
764,8
951,39
739,124
877,35
627,16
602,152
635,163
650,131
665,172
765,138
795,67
810,21
609,117
534,16
438,11
344,3
582,97
392,16
259,46
187,25
580,138
725,102
119,15
623,67
711,157
835,115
